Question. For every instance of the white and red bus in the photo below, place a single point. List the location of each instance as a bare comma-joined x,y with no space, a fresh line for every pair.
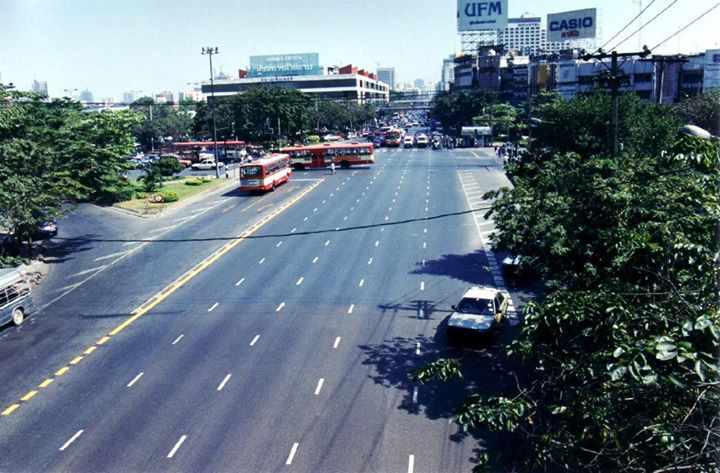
265,173
320,156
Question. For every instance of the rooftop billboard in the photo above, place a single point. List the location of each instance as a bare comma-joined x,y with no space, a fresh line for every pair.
285,65
474,15
569,25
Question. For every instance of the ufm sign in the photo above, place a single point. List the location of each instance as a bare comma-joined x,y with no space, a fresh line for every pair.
474,15
577,24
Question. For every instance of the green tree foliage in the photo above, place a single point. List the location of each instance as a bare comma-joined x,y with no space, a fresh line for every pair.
583,125
457,109
619,367
501,117
702,110
332,115
255,113
160,122
52,153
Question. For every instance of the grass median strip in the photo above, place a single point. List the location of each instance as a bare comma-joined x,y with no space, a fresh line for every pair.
165,293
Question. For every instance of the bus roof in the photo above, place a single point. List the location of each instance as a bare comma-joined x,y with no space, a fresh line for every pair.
208,143
267,159
327,146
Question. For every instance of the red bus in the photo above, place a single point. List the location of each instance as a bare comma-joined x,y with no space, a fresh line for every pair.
228,149
320,156
265,173
393,138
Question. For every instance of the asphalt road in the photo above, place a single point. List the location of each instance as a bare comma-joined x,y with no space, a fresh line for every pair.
288,350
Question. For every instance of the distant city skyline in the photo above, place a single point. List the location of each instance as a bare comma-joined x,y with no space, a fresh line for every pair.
112,47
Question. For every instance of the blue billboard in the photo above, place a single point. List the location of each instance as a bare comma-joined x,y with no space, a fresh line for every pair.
302,64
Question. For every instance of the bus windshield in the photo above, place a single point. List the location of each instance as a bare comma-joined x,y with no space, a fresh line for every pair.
251,171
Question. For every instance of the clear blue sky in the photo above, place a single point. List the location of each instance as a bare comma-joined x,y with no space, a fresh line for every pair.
115,46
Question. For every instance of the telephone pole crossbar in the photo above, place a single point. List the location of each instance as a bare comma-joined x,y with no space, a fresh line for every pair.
615,80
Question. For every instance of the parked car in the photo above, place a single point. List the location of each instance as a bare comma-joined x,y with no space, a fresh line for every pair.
478,314
206,164
519,269
47,228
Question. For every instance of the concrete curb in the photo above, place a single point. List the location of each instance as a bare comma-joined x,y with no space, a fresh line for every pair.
180,204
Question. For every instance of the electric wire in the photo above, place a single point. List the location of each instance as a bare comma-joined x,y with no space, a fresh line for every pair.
644,25
685,27
626,26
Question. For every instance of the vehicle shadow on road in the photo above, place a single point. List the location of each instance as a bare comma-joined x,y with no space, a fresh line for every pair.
472,268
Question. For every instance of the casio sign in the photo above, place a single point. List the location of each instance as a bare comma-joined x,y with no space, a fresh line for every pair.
572,24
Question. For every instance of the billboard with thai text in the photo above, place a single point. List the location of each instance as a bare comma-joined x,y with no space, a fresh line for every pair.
489,15
569,25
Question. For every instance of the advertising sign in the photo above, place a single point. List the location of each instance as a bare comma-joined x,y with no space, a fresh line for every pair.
285,65
577,24
711,74
567,72
474,15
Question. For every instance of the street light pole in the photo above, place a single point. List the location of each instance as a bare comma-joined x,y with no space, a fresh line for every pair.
210,51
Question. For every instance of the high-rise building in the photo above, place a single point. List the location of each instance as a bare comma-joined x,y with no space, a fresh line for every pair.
419,84
526,36
40,87
387,75
86,96
448,73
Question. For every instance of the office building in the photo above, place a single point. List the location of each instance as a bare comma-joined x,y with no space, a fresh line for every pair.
40,87
303,72
387,75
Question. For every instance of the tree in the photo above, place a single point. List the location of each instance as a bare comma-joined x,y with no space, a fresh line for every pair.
702,110
501,117
160,121
644,126
618,366
457,109
51,152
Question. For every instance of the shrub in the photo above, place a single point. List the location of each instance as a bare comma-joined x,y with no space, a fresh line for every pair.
141,195
169,196
194,181
313,139
169,165
113,194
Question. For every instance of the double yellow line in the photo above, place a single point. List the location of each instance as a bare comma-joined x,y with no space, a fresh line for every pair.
164,294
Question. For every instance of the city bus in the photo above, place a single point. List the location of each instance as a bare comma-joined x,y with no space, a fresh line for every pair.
265,173
321,156
394,138
227,150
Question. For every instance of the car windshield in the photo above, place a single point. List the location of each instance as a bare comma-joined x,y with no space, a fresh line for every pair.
476,306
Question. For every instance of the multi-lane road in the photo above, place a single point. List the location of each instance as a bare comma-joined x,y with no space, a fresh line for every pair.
259,333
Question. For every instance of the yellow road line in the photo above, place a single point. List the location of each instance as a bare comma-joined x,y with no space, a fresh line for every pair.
165,293
28,396
10,409
46,383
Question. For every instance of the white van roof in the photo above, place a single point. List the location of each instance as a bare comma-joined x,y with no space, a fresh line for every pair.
10,275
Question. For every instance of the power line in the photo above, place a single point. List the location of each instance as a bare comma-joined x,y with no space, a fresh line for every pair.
625,27
643,26
686,26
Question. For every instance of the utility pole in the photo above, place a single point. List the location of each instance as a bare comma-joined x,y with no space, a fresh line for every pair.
210,51
660,62
615,80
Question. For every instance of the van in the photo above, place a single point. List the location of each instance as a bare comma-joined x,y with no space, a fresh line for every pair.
15,302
